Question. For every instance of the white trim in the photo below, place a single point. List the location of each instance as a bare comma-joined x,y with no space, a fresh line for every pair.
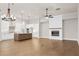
56,39
43,37
0,40
70,39
60,37
7,40
78,42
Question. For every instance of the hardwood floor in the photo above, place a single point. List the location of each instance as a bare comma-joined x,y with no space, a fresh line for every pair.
39,47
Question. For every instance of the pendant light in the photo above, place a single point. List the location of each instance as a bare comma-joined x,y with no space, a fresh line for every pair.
8,16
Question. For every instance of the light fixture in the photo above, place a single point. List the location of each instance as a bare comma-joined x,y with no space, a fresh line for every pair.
47,15
0,10
8,16
58,8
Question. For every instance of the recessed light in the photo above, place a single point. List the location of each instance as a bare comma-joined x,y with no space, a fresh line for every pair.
0,9
58,8
12,3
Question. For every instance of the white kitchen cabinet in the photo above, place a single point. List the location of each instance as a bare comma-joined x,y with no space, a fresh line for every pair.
6,36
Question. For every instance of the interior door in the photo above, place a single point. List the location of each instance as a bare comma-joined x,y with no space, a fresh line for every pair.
44,30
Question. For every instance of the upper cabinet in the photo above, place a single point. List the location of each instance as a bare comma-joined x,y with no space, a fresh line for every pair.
55,22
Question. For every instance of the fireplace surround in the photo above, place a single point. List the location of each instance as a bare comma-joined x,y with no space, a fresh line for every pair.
55,33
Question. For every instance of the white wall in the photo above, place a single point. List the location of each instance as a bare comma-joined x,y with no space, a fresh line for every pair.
44,25
20,27
70,29
33,23
0,27
70,26
35,26
69,15
36,30
78,23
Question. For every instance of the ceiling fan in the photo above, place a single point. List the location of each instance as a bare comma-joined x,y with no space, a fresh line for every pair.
47,15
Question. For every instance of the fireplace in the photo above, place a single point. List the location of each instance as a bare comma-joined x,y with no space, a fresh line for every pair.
54,33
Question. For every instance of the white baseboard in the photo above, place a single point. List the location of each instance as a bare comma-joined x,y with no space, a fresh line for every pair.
6,40
0,40
78,43
43,37
70,39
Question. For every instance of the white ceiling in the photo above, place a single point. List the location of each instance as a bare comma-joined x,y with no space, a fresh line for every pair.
38,9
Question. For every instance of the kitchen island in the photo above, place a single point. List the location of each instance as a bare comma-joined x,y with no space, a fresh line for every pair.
22,36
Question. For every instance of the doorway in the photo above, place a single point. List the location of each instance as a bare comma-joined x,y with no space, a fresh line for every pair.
44,30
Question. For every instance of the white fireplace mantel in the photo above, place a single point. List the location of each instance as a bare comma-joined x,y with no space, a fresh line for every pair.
55,24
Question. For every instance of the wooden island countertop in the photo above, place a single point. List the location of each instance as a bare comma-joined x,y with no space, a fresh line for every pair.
22,36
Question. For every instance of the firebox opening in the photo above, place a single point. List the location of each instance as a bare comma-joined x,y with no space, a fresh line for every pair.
54,33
